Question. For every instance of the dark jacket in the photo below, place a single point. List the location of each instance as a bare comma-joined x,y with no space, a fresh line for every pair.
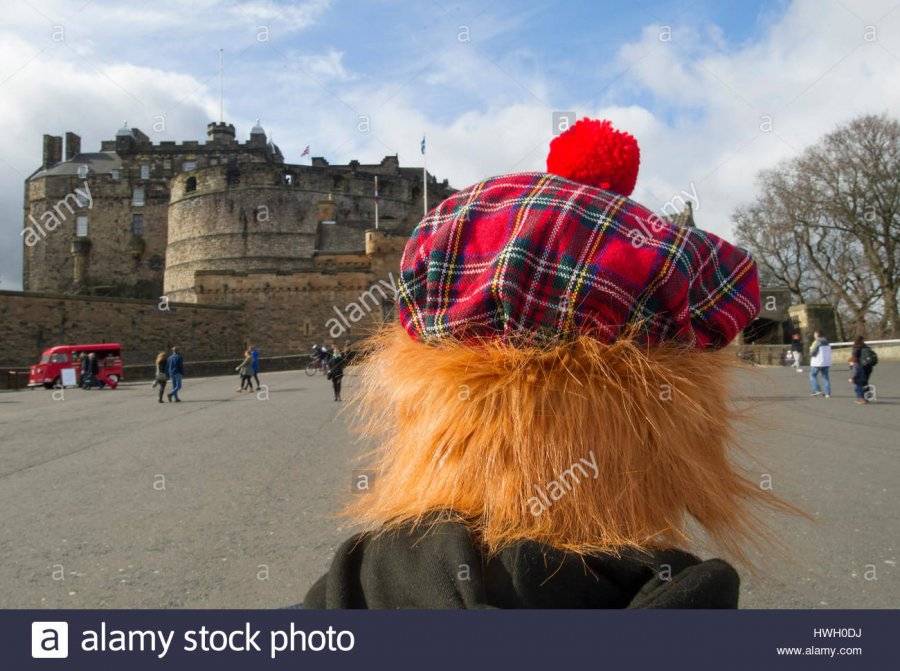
797,346
336,366
445,568
861,373
175,365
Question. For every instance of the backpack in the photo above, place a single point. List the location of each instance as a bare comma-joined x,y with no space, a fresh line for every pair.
867,357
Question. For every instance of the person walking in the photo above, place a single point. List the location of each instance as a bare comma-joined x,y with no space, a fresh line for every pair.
175,371
85,371
797,352
254,353
336,372
862,360
90,368
245,370
161,378
819,362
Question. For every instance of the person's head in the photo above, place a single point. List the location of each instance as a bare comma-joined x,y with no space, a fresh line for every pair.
859,341
582,401
160,357
796,336
174,349
817,335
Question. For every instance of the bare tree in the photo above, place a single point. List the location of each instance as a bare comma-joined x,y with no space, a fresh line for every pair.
827,223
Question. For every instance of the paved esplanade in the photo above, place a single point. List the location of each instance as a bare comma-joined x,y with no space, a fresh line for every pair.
111,500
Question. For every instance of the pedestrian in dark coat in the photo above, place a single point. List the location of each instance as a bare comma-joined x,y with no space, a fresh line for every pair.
90,368
335,372
862,361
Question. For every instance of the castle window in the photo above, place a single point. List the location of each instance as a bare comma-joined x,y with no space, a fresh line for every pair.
81,226
114,173
145,171
306,327
167,165
187,166
137,224
137,197
190,184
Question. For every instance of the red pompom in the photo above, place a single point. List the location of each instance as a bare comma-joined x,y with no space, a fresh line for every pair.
593,152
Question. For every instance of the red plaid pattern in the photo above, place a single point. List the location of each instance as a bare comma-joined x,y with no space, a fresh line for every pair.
537,255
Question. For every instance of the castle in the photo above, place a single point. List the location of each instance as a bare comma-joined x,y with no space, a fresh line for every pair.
221,223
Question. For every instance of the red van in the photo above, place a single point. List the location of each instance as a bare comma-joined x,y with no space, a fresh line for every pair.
49,371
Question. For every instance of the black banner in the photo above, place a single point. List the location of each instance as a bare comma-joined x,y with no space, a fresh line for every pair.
434,640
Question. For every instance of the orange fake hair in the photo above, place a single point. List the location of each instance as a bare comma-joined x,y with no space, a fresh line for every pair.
584,446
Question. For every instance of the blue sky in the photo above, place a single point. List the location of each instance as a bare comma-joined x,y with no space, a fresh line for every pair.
691,79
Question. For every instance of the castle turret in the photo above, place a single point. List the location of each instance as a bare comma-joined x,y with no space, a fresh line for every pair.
220,132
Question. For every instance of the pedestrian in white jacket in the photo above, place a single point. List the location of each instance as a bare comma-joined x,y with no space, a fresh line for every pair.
819,362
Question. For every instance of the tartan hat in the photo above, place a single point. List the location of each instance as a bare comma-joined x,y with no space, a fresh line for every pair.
538,256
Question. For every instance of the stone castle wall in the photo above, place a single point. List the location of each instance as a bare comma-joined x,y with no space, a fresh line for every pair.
344,298
110,259
31,322
262,218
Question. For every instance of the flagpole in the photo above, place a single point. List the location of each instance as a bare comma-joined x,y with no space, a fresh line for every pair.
424,184
222,85
376,202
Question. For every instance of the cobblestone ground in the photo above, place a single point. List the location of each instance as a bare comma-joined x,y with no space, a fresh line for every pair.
227,500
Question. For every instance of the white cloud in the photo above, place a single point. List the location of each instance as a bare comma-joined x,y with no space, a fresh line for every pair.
812,70
46,92
291,16
328,66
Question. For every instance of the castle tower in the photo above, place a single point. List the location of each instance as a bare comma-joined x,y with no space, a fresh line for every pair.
220,132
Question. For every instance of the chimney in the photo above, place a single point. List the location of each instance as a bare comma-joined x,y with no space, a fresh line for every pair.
73,145
53,145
